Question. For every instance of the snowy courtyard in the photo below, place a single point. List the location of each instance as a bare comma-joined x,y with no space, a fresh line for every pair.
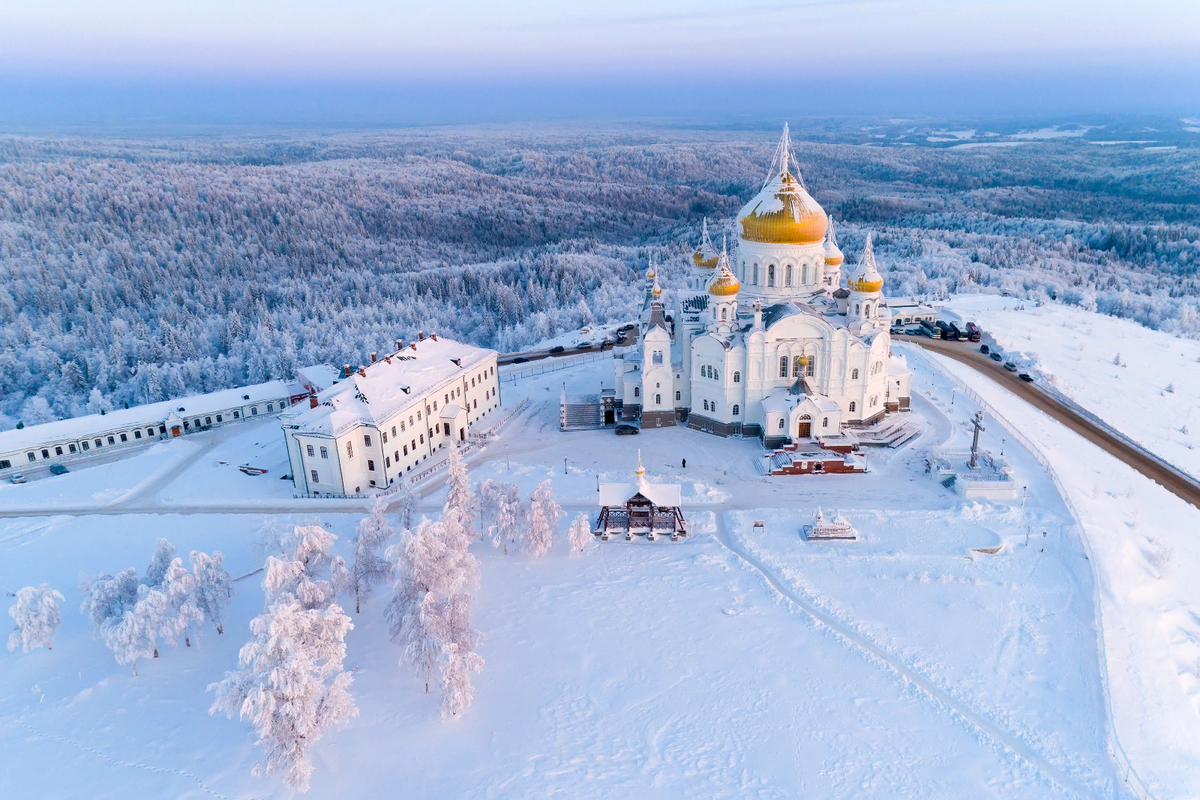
949,652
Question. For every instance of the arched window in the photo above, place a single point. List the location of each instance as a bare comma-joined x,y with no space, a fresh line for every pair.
349,450
804,275
867,310
678,397
854,374
723,312
736,409
706,405
715,375
781,424
771,275
637,391
737,377
811,366
824,422
712,406
783,366
658,399
796,366
755,274
787,276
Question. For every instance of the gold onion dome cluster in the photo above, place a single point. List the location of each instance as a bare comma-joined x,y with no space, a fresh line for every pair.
783,213
706,257
833,254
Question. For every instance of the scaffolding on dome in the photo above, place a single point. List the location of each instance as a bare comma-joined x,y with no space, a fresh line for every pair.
783,158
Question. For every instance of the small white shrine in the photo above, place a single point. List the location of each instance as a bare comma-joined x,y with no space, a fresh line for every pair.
837,528
641,508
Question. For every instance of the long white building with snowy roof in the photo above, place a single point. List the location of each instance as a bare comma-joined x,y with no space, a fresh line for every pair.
768,342
379,422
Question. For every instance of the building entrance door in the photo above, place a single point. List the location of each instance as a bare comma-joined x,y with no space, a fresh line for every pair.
805,430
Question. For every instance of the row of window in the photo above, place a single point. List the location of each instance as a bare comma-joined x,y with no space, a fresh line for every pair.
788,274
715,374
711,405
804,420
87,445
809,367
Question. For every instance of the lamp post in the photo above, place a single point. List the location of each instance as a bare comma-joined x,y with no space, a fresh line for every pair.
1002,447
507,463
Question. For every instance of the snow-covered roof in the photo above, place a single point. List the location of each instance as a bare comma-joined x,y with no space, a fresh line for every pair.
390,385
318,376
125,419
451,411
664,495
783,401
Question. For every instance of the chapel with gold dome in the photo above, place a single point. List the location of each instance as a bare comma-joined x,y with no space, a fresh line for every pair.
766,341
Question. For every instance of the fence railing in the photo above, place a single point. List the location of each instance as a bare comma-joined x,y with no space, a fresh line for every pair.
511,372
1132,781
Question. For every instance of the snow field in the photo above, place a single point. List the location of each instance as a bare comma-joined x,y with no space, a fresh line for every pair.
1145,553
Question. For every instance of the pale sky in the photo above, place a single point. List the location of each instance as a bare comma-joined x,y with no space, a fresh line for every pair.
762,45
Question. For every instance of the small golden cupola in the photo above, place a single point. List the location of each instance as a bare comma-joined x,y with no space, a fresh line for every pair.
706,256
783,212
866,277
724,283
833,253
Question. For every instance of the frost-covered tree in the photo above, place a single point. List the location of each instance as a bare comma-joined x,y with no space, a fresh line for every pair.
308,571
182,590
431,603
370,567
457,665
290,684
542,524
579,535
510,517
160,562
135,633
458,513
106,598
213,586
488,504
406,505
38,615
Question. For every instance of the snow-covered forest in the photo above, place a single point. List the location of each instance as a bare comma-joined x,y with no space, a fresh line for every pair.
135,270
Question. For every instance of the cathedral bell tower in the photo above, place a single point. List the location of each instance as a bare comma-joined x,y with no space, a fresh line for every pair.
866,289
722,298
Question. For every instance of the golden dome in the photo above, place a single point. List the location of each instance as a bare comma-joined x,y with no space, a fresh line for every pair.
866,277
705,260
724,284
783,213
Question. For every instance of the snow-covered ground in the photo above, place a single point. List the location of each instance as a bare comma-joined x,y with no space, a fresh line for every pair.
1151,396
1144,549
644,669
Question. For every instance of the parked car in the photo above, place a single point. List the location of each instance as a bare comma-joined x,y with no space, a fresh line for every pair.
625,429
558,348
58,469
973,332
1011,367
1025,376
18,478
584,346
983,348
923,331
520,360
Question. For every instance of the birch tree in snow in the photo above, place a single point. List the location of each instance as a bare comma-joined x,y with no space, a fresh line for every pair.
407,506
213,586
290,684
164,552
510,516
309,571
135,633
544,514
38,615
181,589
579,535
106,598
457,665
458,513
370,568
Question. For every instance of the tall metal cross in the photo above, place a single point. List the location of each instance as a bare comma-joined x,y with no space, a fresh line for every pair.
978,423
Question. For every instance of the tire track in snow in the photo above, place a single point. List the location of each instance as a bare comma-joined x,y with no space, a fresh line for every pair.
981,723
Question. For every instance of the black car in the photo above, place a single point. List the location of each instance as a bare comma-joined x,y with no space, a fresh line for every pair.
558,348
1025,376
996,357
626,429
983,348
519,360
58,469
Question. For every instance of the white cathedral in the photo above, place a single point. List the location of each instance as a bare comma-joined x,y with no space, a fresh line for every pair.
768,342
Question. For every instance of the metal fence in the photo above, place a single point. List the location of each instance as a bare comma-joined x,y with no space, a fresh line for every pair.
1133,783
511,372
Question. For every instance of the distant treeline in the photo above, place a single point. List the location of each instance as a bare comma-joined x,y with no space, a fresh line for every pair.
138,270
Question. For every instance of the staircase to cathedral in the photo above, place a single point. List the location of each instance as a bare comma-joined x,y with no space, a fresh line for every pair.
580,412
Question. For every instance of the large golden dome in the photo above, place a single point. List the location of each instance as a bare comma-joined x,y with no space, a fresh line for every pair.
725,284
783,213
705,260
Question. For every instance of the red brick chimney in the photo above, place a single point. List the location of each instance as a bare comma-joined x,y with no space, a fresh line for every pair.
413,345
399,345
388,359
372,358
420,336
433,336
312,401
346,370
362,372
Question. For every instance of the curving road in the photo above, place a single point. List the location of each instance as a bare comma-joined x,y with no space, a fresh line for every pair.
1172,480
